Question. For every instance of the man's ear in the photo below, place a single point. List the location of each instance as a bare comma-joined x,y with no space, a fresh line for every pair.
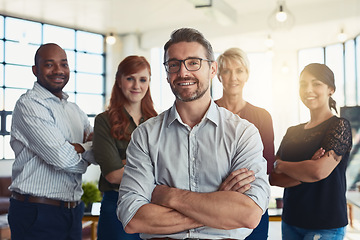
213,69
34,70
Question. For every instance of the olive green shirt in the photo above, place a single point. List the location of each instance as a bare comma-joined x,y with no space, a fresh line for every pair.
108,151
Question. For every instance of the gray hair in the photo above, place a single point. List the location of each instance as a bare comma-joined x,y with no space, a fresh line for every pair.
189,35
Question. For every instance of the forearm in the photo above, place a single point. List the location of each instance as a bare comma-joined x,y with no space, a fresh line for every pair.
115,176
282,180
155,219
221,209
301,171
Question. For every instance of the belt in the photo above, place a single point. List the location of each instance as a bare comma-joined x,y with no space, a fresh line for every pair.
43,200
166,238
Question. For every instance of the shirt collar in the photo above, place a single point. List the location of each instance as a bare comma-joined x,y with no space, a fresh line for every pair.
212,114
44,93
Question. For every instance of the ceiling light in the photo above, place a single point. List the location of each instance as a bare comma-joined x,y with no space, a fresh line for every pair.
110,39
218,10
269,42
281,18
342,36
285,69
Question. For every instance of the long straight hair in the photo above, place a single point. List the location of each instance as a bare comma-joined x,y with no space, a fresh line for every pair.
118,118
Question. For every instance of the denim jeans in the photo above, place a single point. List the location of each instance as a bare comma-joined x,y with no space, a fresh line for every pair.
109,226
29,221
261,231
290,232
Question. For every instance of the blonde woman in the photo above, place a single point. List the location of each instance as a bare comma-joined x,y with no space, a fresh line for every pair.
233,73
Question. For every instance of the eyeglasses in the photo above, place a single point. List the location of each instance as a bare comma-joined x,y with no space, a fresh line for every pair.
191,64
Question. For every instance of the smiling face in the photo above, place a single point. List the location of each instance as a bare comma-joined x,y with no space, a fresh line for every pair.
233,77
314,93
134,86
52,69
190,85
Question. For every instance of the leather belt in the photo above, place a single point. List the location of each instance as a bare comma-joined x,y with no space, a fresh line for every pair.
166,238
43,200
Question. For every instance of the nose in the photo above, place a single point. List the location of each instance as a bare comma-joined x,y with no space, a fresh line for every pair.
136,84
306,88
58,69
233,75
183,70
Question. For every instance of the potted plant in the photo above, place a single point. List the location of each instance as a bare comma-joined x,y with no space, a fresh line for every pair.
91,194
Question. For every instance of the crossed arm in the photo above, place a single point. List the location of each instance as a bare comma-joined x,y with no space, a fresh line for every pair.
78,147
174,210
289,174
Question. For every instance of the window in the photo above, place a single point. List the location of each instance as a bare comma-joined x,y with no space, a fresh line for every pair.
19,40
334,59
160,90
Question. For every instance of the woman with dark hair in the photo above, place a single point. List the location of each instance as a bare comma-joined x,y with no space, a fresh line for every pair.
311,163
130,105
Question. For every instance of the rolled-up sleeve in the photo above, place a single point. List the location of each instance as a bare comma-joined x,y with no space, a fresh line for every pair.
138,181
250,155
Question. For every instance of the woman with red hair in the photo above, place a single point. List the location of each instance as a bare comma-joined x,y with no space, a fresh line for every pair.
130,105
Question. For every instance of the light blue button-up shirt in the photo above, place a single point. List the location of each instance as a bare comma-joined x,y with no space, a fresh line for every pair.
46,164
165,151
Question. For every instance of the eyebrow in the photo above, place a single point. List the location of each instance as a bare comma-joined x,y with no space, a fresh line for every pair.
52,60
312,80
170,59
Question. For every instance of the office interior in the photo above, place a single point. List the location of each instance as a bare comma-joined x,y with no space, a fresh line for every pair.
277,49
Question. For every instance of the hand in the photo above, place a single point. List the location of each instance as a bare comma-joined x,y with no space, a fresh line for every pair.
318,154
78,147
239,181
123,161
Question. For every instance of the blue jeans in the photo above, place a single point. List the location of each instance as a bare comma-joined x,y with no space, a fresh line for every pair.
29,221
261,231
109,226
296,233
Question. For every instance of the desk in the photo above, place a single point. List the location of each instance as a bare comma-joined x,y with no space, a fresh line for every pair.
4,228
275,214
353,199
94,219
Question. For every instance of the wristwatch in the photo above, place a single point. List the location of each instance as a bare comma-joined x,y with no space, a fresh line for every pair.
275,164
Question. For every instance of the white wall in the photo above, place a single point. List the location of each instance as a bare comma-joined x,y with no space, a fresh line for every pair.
5,167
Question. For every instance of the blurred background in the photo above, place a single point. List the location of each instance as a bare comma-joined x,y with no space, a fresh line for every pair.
280,37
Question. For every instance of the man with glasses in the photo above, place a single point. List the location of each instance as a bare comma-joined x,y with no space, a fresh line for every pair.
196,171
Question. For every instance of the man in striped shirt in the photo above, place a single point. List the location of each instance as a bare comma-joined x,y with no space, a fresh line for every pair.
51,138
